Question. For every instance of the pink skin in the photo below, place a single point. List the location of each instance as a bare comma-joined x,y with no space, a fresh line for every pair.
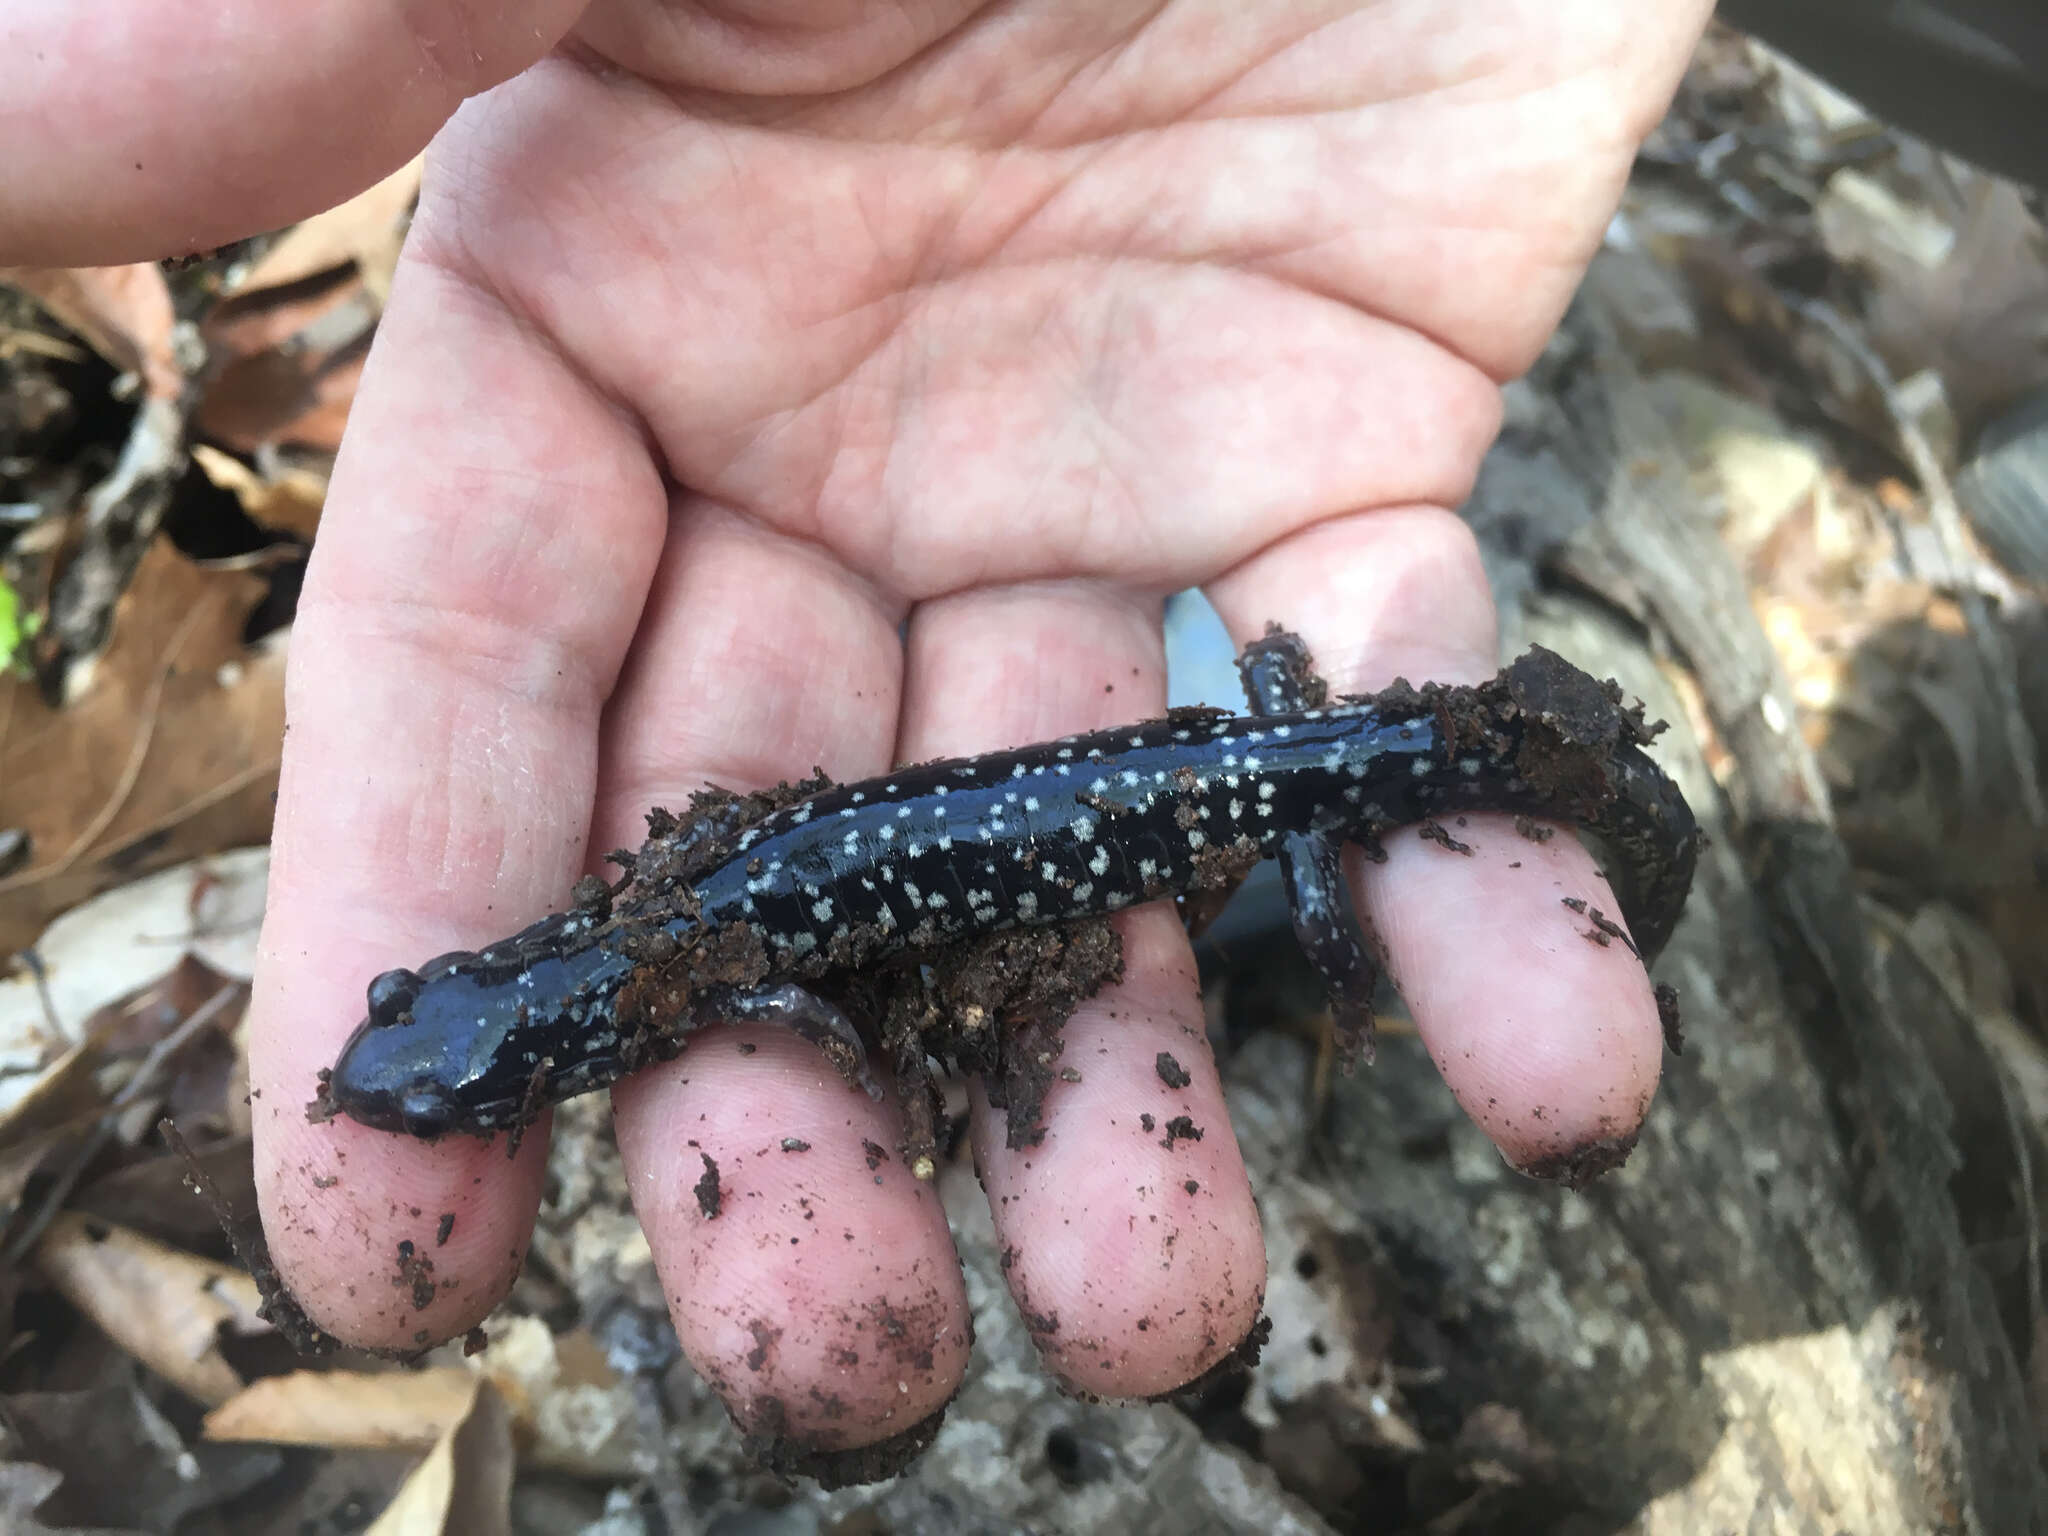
1001,322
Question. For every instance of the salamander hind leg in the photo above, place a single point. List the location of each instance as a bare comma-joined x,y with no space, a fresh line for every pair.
1326,926
802,1012
1280,678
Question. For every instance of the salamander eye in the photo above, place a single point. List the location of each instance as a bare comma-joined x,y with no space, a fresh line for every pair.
426,1109
391,994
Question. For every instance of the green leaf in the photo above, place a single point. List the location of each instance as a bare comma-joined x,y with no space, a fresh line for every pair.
15,628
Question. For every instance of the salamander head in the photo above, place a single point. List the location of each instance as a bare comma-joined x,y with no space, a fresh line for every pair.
398,1072
478,1043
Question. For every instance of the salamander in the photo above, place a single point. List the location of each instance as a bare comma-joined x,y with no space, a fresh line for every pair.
776,906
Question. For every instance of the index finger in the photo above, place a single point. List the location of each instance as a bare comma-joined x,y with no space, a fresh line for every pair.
490,535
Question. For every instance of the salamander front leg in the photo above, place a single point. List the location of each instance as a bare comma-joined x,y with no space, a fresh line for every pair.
1279,675
804,1013
1280,678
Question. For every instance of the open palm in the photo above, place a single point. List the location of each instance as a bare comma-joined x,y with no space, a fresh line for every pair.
773,384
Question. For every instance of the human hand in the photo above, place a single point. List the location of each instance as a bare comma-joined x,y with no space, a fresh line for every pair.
724,347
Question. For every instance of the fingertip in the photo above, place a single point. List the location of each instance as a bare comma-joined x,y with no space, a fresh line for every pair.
388,1242
391,1244
810,1275
1395,591
1543,1023
1132,1243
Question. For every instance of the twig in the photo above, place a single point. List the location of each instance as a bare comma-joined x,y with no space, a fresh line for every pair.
34,963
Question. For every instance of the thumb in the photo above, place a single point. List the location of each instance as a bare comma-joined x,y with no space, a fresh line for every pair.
138,129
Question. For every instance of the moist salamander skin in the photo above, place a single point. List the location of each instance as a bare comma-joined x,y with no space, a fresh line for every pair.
739,910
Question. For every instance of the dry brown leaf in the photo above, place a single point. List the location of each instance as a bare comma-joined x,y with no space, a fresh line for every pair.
368,230
124,940
1979,318
125,1467
464,1484
464,1487
575,1412
286,363
170,752
288,343
50,1152
163,1306
53,1098
289,501
348,1409
155,1195
124,313
51,1115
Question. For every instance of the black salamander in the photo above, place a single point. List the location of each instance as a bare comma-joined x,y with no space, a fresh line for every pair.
764,907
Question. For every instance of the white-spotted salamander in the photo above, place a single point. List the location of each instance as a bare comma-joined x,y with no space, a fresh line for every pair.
765,907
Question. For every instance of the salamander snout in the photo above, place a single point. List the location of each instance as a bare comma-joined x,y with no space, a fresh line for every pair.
394,1073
